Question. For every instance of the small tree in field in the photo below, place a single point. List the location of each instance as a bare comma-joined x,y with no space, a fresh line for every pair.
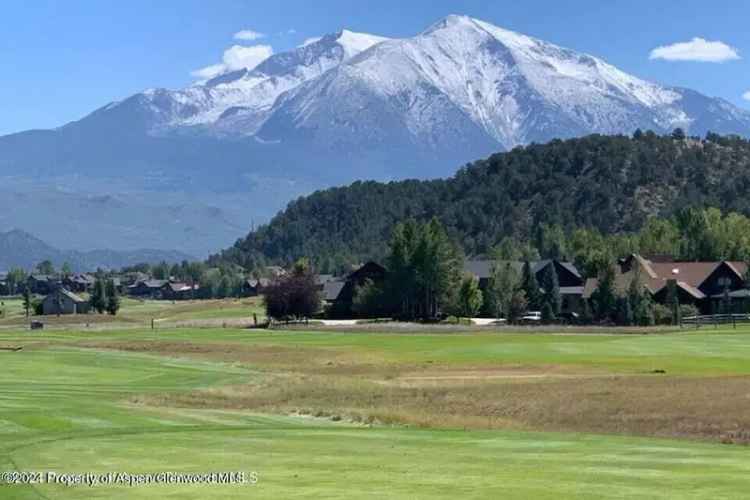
293,296
27,300
98,298
469,297
113,300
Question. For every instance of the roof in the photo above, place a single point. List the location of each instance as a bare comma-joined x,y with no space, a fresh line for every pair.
332,290
64,291
179,287
255,282
482,268
82,278
368,268
655,275
149,283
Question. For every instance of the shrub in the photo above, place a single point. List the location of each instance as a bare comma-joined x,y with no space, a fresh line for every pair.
662,315
687,310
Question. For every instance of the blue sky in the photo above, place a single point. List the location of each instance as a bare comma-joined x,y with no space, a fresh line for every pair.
62,59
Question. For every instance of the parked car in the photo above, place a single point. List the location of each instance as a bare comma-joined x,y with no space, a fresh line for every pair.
532,317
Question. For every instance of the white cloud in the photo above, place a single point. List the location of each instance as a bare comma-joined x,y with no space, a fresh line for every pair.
746,95
208,72
234,58
309,41
248,35
697,49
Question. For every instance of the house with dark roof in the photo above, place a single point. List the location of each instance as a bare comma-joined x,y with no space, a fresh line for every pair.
338,295
697,283
42,284
569,279
79,283
63,301
173,290
150,288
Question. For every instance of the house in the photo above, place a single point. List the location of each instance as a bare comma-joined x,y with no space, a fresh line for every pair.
570,281
4,288
42,284
178,291
701,284
79,283
339,294
252,287
63,301
149,288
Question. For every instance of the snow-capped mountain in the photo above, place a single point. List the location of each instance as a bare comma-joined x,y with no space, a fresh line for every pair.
500,86
238,102
343,107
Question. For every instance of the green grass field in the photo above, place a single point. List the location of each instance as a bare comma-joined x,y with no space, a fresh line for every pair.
199,400
141,312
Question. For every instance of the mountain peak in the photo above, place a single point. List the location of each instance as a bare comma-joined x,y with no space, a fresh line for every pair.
354,42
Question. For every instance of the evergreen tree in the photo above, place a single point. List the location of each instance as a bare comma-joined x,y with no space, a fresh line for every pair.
530,286
586,316
27,300
644,312
604,297
548,315
113,299
425,269
624,311
551,288
98,299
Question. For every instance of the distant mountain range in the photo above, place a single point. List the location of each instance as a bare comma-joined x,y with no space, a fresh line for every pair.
21,249
192,168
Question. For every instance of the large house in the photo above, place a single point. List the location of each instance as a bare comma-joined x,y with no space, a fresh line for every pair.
338,295
569,279
63,301
79,282
177,291
150,288
42,284
702,284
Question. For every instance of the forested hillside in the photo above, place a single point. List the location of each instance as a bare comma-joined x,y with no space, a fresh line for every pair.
608,183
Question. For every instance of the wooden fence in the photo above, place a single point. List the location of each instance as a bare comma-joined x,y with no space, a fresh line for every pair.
715,320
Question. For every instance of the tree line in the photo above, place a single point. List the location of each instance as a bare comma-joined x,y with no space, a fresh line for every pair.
605,184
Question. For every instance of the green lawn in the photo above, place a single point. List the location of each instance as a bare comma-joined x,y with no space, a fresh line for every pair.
70,409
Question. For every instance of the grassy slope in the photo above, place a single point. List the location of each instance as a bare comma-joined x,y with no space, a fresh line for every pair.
64,409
